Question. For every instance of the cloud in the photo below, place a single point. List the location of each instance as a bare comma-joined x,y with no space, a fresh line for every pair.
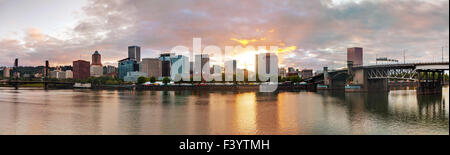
383,28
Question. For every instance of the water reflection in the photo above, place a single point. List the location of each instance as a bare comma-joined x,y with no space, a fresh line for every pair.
200,112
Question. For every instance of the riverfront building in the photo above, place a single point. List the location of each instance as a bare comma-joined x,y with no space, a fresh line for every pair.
266,58
127,65
204,61
152,67
355,55
307,73
69,74
109,69
166,63
96,66
133,76
81,69
134,52
233,65
183,60
96,71
6,72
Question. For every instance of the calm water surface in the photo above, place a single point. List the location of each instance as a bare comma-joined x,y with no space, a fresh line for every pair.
180,113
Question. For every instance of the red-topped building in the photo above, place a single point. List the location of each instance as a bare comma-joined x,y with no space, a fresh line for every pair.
96,59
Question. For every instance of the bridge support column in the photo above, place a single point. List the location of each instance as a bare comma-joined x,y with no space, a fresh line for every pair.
362,83
430,82
379,85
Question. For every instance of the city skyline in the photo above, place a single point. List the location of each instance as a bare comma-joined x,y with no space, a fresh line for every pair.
310,34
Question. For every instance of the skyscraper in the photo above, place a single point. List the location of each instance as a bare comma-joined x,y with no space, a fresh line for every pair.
183,60
232,63
267,59
134,52
81,69
204,59
166,63
355,55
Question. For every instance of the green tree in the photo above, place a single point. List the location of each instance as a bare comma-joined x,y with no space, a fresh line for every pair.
166,80
152,79
112,82
141,80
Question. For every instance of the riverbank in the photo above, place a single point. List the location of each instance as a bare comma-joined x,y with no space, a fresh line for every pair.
196,87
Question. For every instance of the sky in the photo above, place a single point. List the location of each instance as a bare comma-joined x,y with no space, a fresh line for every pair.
310,33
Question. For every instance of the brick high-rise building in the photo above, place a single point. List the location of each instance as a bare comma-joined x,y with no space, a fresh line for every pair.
81,69
355,55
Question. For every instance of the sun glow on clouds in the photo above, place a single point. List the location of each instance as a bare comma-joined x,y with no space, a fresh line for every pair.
324,27
246,57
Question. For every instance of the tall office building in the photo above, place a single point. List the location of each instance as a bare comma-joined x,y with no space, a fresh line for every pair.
355,55
183,60
234,64
134,52
81,69
127,65
220,69
166,63
204,59
152,67
267,59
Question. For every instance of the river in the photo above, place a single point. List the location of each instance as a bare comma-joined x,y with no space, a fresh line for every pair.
68,112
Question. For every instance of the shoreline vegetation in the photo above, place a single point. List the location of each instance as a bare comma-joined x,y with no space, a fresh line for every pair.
294,83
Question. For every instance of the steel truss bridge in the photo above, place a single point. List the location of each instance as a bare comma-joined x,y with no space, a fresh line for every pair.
410,71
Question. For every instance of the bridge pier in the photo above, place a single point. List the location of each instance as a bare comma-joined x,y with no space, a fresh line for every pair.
334,81
430,82
362,83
